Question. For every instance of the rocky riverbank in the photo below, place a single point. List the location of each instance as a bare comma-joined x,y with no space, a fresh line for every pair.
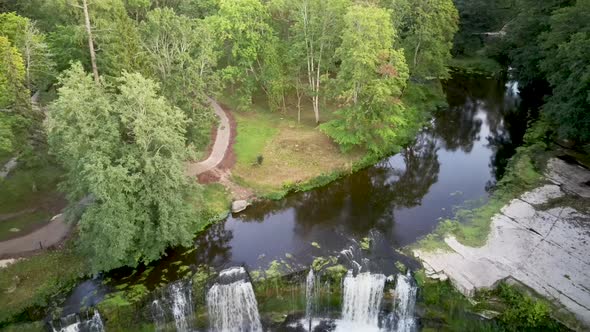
540,240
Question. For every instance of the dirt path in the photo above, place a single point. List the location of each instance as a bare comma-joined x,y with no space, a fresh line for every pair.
46,236
54,232
217,167
221,145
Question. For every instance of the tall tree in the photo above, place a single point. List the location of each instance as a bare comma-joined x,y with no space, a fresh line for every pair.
250,47
30,42
127,151
317,29
566,64
522,40
90,41
370,82
14,98
183,53
427,29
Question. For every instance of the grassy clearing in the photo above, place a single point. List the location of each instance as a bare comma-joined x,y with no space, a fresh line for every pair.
28,199
24,188
277,154
254,131
217,199
23,224
30,284
471,226
292,153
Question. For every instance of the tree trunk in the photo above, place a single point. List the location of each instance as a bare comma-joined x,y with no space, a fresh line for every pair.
416,53
90,43
297,89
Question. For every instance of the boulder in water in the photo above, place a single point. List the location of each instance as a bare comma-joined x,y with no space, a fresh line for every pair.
239,206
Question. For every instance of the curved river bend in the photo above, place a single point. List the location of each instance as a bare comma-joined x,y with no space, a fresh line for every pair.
453,162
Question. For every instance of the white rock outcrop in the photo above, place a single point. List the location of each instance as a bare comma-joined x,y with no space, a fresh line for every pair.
548,251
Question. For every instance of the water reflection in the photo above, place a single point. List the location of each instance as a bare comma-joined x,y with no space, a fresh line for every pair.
401,198
404,196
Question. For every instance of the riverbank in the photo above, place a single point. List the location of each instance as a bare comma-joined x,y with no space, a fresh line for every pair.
278,152
533,231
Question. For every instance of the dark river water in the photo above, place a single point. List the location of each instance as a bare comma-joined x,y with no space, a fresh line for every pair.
399,200
455,160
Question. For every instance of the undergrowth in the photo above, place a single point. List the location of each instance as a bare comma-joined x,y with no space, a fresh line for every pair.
512,309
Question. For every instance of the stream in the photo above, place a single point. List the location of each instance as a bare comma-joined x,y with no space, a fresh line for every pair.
454,162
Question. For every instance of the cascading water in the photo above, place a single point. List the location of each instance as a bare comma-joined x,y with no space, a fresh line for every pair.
182,305
232,304
72,323
405,301
362,298
309,297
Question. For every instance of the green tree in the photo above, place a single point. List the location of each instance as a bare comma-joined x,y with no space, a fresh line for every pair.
127,151
426,30
250,48
183,53
370,82
477,18
316,32
14,99
30,42
566,64
523,46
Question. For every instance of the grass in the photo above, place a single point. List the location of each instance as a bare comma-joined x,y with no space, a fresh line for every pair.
254,131
24,188
445,309
30,195
23,224
292,153
4,158
30,284
217,199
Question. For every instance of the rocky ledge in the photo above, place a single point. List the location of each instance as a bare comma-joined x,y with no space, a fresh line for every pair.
547,250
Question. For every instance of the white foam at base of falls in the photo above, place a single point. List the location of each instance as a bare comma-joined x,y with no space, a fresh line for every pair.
74,324
232,307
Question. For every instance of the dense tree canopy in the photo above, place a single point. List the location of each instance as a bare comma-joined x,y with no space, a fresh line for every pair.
370,82
123,134
566,63
126,150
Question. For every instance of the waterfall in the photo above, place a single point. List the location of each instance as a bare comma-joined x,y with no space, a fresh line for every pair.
231,303
362,298
405,301
72,323
309,297
158,315
182,306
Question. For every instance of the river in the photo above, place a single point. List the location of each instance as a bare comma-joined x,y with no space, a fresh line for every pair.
455,161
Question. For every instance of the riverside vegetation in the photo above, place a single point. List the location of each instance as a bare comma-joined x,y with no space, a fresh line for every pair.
319,90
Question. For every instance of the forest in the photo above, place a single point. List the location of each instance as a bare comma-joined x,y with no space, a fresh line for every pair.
128,83
105,104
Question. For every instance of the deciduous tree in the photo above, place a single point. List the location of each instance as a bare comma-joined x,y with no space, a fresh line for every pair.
370,82
127,151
